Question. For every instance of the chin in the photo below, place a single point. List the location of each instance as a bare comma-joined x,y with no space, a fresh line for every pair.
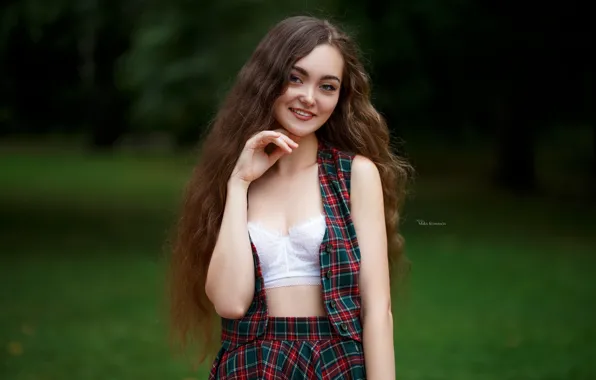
301,131
298,132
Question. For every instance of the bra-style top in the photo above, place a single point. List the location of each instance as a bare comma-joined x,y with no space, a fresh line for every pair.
291,259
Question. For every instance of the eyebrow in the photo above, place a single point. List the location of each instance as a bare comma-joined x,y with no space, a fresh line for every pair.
324,77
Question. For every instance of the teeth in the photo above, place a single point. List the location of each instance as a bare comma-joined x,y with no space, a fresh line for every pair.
301,113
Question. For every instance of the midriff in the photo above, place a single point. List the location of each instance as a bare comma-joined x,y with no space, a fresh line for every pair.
296,301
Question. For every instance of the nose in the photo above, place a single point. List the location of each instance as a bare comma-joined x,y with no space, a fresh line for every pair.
307,97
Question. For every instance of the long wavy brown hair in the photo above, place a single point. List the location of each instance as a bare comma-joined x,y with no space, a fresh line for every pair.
355,126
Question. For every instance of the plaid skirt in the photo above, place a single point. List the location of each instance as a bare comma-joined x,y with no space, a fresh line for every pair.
293,348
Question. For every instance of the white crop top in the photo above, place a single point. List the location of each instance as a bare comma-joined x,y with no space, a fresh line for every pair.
291,259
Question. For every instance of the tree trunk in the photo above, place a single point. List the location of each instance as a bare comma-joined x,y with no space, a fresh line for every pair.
100,45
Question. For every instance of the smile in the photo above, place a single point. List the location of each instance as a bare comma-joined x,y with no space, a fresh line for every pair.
303,113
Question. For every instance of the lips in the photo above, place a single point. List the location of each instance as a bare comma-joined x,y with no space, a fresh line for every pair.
302,114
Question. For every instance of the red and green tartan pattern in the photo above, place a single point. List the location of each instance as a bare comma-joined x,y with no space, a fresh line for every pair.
340,253
294,348
340,266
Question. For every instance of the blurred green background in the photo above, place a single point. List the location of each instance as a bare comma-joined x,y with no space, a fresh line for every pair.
101,106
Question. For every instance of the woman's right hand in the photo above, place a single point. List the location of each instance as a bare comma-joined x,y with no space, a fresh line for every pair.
254,161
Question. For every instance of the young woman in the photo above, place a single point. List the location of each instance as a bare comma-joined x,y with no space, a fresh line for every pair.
289,225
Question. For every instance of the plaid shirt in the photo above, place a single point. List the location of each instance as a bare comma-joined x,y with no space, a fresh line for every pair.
339,258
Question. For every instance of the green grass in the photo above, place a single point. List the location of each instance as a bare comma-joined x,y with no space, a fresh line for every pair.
504,290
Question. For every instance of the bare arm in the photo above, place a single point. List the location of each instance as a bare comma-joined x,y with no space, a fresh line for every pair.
368,216
230,278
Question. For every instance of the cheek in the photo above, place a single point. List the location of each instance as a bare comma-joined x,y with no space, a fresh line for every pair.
288,95
329,104
281,102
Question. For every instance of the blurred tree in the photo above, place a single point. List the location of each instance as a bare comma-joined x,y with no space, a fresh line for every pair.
34,66
102,39
107,66
60,64
184,56
543,58
502,63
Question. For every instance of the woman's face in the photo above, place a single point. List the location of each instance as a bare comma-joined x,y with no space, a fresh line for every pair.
312,92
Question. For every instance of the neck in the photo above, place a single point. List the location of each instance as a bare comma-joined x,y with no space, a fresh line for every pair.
301,158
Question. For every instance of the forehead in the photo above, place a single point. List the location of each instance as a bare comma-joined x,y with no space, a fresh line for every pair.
323,60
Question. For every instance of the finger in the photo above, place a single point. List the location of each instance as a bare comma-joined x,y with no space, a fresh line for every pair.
276,155
258,138
285,132
278,139
280,142
290,141
268,139
262,140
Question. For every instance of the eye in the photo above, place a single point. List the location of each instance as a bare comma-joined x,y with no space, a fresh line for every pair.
294,79
328,87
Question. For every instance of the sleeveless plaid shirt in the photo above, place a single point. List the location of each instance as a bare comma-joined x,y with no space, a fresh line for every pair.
339,260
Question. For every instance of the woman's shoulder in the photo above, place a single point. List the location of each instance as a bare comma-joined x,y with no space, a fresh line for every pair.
352,167
364,170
